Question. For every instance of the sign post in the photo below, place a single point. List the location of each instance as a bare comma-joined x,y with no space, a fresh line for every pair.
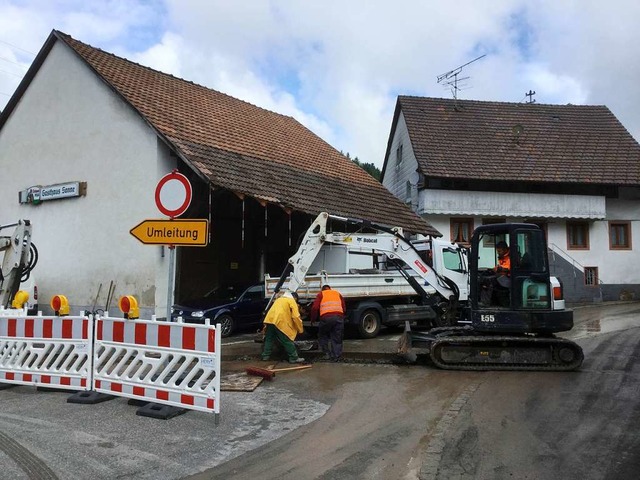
173,196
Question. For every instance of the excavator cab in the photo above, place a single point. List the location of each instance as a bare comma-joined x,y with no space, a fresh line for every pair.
510,288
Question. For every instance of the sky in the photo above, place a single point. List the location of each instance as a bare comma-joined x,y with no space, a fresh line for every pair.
338,66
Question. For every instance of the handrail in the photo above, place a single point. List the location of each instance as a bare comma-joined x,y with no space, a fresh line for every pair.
576,265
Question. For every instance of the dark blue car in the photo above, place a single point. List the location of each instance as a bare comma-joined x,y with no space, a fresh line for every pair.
233,307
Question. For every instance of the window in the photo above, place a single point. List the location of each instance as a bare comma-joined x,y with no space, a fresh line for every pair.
577,235
591,276
619,235
398,156
407,192
544,226
461,229
452,261
489,240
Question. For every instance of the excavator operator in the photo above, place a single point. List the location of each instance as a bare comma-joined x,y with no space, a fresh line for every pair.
495,286
504,263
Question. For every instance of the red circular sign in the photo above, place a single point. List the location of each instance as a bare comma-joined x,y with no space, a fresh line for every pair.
173,194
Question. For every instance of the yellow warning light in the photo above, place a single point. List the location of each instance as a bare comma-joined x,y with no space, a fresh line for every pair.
20,299
129,306
60,305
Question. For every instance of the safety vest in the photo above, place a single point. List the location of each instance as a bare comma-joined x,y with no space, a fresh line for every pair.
505,261
331,303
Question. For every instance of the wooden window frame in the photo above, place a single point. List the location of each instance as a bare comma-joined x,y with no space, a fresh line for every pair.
468,220
578,247
627,225
595,274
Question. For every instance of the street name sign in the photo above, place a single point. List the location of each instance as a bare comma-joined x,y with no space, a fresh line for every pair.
183,232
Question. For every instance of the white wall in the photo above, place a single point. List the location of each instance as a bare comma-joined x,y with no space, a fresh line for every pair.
395,178
614,266
69,126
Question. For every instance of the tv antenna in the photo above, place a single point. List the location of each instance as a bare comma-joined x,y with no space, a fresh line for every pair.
451,77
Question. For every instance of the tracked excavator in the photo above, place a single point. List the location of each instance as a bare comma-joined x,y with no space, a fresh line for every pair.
505,320
19,257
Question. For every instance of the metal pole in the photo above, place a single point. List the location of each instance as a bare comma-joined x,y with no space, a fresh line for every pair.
172,260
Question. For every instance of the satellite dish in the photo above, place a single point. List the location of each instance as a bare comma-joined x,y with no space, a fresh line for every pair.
414,178
517,129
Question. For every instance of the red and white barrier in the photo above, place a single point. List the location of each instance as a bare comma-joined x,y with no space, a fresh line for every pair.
174,364
46,351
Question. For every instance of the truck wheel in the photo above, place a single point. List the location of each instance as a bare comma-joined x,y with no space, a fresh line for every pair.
369,324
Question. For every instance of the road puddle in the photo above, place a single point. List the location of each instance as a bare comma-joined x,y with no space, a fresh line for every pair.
606,324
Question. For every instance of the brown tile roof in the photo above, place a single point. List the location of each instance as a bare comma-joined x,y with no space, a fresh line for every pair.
248,149
557,143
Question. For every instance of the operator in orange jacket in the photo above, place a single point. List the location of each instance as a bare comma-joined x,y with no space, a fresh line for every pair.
329,308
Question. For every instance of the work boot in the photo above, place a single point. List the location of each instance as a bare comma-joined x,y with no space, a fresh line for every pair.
297,360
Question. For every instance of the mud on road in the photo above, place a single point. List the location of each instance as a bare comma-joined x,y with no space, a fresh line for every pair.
360,420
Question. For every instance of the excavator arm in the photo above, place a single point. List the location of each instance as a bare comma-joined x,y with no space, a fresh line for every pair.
389,241
16,261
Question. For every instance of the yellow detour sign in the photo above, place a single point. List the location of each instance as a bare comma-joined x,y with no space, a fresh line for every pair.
184,232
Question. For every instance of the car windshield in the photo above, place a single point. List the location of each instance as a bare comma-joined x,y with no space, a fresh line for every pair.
226,292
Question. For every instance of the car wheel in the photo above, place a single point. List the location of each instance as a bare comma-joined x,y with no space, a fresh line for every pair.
226,324
369,324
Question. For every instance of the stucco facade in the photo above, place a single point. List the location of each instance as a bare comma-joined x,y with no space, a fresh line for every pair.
70,126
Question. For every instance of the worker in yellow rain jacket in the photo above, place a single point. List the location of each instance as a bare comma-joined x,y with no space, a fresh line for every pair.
283,323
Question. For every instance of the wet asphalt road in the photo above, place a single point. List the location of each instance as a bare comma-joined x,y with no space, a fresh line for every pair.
360,420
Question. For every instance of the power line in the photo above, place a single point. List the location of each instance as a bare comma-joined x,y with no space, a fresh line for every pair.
11,73
11,61
19,48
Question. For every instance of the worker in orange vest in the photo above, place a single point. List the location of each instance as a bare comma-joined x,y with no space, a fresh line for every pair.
329,309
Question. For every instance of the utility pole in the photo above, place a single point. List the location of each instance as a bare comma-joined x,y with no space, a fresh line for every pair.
530,95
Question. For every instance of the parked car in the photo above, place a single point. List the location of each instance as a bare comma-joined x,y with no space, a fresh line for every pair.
234,307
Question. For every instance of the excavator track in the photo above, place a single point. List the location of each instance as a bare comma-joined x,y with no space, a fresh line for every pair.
494,352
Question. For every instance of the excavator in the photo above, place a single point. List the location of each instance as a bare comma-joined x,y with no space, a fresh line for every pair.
504,320
19,259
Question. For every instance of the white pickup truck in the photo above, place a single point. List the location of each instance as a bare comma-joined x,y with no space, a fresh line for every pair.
373,276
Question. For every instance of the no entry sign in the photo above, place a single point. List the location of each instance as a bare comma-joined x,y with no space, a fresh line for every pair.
173,194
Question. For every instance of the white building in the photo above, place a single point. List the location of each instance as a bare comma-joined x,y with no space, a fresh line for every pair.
106,130
573,170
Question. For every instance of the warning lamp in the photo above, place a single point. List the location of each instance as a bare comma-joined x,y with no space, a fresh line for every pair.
129,306
20,299
60,305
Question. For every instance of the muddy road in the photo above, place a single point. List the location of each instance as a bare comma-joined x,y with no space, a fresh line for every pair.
407,422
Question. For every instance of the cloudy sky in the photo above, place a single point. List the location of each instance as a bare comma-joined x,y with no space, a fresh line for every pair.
337,66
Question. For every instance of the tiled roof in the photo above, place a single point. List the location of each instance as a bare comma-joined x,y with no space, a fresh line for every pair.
520,141
248,149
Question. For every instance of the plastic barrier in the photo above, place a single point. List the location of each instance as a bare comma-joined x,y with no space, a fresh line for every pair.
173,364
46,351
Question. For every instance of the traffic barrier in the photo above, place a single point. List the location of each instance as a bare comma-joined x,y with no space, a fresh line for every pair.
172,364
46,351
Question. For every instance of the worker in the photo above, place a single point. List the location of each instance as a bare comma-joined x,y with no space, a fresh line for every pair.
329,308
504,262
283,323
499,281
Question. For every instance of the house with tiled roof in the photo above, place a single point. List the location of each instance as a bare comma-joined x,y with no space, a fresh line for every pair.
110,129
572,169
